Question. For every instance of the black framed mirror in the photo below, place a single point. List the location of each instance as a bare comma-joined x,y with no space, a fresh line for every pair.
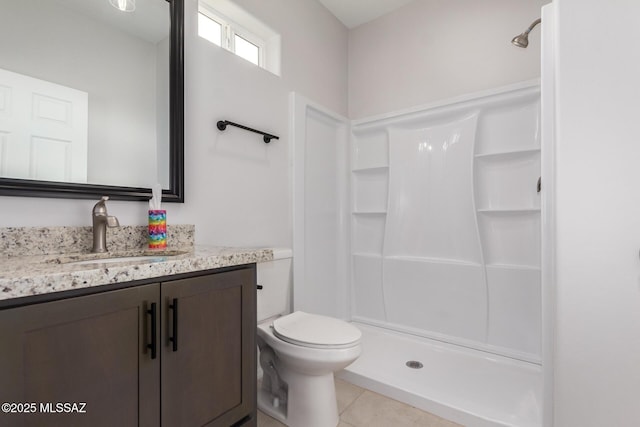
133,106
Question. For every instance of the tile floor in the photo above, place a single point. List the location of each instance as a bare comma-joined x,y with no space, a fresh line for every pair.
359,407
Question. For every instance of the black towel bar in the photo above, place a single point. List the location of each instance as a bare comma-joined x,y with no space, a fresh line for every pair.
267,137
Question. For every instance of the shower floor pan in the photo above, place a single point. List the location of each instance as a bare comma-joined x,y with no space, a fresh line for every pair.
470,387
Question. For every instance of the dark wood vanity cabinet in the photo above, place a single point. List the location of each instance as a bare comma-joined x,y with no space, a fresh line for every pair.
99,352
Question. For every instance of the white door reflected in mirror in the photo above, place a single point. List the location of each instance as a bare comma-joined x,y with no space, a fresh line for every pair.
43,130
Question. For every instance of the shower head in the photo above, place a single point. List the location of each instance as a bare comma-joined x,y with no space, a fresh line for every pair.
522,40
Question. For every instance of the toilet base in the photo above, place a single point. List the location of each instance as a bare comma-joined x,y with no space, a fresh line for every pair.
311,401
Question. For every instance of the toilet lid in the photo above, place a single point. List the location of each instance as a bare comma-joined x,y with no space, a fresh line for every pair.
312,330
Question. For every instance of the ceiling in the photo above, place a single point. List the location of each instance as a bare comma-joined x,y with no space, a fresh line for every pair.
356,12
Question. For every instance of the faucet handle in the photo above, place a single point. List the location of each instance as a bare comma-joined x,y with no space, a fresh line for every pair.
100,208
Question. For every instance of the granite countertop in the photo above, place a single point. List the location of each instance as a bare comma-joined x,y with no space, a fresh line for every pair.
22,276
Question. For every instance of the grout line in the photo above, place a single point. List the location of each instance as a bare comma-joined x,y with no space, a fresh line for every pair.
354,401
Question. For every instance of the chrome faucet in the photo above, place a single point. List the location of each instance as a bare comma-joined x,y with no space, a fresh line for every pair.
101,220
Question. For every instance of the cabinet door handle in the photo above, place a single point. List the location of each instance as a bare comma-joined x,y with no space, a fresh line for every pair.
174,308
153,346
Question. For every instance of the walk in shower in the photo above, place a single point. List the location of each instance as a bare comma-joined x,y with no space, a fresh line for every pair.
445,250
446,223
430,243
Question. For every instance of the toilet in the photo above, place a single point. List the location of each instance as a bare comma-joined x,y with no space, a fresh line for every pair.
299,352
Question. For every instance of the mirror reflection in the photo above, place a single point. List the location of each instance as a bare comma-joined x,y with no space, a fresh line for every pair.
84,91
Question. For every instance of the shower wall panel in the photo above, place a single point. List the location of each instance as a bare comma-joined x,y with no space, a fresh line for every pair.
431,212
432,273
444,298
321,200
368,300
445,233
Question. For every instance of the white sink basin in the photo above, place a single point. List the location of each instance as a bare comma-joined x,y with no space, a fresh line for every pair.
149,258
110,258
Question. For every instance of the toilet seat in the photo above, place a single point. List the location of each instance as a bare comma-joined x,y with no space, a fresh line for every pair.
315,331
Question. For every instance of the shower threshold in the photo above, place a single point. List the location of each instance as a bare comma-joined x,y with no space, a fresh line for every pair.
467,386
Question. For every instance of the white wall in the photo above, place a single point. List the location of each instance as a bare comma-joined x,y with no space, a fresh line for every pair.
438,49
314,48
237,188
597,360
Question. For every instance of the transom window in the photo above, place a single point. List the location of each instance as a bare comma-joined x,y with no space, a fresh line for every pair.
231,36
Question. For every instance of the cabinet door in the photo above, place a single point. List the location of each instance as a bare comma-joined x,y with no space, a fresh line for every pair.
208,362
90,349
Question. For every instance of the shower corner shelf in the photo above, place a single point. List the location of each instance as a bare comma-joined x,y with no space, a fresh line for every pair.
513,267
367,255
371,169
524,151
369,212
508,210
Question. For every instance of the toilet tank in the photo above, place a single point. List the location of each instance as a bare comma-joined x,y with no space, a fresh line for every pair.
276,279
